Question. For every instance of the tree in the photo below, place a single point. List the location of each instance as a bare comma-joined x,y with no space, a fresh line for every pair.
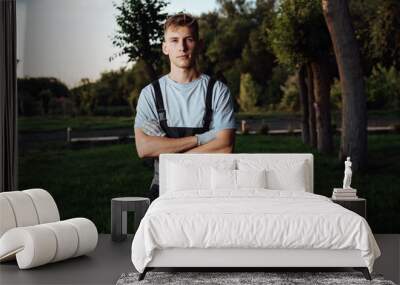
303,92
385,33
273,92
107,88
311,109
248,93
229,36
300,37
234,39
383,88
208,31
34,85
322,85
141,31
85,96
354,112
35,93
45,95
377,30
256,59
291,98
227,46
140,81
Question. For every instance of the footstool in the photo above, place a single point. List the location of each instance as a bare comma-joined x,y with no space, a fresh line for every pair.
119,208
31,231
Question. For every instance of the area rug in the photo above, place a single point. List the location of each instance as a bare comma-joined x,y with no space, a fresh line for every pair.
244,278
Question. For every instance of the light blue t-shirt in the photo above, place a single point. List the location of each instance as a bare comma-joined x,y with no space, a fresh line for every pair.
185,104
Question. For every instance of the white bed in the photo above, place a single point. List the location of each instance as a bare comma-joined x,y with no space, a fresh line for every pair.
213,224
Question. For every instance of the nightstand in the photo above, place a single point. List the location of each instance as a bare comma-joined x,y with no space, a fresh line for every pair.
358,205
119,208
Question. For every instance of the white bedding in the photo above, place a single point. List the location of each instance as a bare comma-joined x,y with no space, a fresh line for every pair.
250,218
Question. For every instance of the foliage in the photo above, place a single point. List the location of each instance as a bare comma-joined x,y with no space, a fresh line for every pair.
107,89
44,96
290,101
28,105
362,14
34,94
62,106
208,30
232,77
266,39
249,91
231,34
85,96
377,28
141,80
385,33
256,59
235,43
336,95
383,88
299,33
34,85
140,30
273,93
113,88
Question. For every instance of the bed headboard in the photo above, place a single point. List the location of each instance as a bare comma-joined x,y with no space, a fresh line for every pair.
209,158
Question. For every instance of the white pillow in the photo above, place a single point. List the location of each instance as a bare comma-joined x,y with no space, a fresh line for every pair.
225,179
187,175
251,178
291,175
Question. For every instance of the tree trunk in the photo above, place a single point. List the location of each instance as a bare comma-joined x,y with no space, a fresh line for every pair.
311,110
151,73
354,110
322,84
305,131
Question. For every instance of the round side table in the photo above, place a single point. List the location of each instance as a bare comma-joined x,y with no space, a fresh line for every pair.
119,208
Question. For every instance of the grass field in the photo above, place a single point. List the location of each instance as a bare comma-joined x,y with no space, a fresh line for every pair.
60,123
84,180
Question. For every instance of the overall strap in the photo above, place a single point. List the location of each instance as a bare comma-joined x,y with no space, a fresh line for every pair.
208,114
162,115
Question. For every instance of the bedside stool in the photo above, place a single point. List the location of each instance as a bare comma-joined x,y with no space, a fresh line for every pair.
119,208
358,205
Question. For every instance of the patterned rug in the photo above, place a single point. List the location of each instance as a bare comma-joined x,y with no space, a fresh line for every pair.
243,278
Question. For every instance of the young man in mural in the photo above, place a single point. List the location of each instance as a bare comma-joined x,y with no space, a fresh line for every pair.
185,110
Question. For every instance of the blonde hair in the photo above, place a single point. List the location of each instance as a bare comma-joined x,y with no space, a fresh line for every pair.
183,20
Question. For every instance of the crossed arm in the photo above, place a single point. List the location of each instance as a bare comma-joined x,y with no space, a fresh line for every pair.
153,146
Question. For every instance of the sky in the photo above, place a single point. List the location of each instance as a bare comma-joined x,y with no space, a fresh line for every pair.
71,39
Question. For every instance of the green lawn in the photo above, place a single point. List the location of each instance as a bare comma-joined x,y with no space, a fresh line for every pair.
60,123
84,180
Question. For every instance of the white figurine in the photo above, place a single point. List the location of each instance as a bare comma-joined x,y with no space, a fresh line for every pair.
347,174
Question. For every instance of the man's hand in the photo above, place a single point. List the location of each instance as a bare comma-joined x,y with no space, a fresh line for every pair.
222,143
153,128
206,137
153,145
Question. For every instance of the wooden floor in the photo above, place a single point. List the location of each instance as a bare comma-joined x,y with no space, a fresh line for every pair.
110,260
